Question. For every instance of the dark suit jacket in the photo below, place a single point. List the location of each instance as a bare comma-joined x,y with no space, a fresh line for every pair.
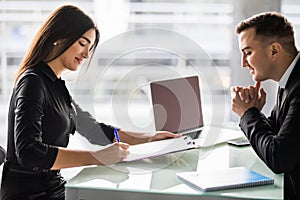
276,139
2,155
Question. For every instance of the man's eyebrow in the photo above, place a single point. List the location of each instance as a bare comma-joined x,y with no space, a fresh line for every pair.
245,48
89,41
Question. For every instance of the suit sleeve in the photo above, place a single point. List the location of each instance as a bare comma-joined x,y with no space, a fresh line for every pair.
277,145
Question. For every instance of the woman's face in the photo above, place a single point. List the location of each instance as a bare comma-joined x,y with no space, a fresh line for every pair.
78,52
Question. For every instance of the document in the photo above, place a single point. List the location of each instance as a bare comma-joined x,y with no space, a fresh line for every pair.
161,147
209,137
229,178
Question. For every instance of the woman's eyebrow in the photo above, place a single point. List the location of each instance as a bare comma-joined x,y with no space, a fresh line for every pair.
89,41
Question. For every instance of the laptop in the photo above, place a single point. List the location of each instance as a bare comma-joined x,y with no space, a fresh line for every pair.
177,105
177,108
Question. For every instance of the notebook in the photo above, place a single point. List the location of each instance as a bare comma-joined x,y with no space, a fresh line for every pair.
230,178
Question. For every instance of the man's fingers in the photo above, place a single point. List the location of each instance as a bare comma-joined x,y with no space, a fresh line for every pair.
252,92
257,86
245,95
262,94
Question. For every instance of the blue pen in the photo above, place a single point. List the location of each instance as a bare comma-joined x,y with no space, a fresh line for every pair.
117,135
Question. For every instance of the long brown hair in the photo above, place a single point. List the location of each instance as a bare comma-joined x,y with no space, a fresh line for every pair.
62,28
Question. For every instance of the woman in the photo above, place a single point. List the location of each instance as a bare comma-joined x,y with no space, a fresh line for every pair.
42,114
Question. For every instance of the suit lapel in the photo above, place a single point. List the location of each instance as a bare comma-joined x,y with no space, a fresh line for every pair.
279,109
285,92
293,80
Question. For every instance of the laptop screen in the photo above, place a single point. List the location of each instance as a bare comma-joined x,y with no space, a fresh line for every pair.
177,104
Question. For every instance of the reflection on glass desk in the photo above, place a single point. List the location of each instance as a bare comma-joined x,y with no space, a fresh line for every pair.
155,178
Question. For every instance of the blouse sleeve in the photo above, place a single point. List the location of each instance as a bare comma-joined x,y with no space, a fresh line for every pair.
87,126
31,152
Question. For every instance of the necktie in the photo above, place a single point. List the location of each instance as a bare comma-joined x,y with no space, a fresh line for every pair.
280,93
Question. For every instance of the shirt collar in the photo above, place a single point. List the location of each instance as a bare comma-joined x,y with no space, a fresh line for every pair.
282,82
47,71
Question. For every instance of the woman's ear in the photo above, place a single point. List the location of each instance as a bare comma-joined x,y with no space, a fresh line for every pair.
58,42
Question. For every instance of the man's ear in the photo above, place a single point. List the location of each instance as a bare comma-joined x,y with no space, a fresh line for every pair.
275,49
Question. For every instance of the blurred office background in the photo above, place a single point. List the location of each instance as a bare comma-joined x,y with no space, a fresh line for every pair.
198,37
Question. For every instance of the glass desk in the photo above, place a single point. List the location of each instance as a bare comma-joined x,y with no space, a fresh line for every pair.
155,178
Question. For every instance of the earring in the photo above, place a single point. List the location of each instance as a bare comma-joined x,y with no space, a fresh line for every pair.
55,43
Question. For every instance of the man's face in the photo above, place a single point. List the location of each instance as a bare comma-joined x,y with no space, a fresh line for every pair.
255,55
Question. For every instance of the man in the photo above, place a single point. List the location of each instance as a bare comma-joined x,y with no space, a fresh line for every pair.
268,49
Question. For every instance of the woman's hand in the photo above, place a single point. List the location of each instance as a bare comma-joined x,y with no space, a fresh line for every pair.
114,153
161,135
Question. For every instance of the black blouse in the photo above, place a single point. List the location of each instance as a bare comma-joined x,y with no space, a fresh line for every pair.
42,115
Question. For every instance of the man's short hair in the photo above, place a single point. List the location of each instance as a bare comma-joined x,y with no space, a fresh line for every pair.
271,27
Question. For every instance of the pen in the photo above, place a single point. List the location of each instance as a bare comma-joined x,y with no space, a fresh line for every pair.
117,135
